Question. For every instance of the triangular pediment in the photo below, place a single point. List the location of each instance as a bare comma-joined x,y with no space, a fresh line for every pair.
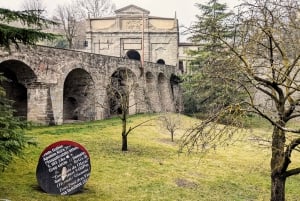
132,10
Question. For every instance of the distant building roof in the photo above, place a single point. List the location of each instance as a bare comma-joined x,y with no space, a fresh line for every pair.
132,11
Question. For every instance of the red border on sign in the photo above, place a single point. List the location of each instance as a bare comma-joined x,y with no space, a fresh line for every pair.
67,143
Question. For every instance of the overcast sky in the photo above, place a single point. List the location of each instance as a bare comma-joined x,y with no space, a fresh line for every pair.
185,9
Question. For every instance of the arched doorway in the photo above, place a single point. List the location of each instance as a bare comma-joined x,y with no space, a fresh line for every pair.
121,92
133,54
18,75
161,61
176,91
79,96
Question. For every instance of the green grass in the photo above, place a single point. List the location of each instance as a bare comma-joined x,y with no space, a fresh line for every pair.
152,169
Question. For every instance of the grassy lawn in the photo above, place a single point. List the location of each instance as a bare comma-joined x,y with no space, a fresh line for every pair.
152,169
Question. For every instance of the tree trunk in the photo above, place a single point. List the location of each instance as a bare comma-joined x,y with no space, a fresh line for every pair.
70,43
278,188
124,131
277,173
124,143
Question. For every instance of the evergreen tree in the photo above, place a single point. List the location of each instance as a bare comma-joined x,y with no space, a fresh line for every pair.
205,90
28,34
214,20
12,133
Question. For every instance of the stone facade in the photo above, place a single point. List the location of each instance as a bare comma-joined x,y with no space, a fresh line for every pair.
185,58
133,33
50,86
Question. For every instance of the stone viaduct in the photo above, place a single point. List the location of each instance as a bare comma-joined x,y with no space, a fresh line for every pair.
51,86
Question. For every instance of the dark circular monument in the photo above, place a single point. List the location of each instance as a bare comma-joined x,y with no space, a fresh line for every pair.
63,168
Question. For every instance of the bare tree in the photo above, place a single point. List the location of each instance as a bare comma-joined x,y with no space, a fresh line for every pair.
72,18
96,8
122,99
69,18
35,6
170,122
266,52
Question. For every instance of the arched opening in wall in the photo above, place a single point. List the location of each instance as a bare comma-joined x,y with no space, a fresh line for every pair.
133,54
79,96
174,81
18,76
161,61
70,108
164,93
175,89
149,78
121,92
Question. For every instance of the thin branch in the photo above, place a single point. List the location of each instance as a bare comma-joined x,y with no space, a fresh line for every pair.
287,156
292,172
134,127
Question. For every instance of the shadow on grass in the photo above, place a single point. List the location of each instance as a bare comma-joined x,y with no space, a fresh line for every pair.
37,188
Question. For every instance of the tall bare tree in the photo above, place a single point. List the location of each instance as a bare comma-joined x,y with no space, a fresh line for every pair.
69,17
265,51
96,8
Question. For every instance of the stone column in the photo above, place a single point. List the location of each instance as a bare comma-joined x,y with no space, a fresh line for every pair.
153,96
55,99
39,104
139,98
101,106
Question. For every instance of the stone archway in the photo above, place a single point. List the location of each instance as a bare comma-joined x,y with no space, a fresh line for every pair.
79,96
176,91
18,76
122,87
133,54
161,61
